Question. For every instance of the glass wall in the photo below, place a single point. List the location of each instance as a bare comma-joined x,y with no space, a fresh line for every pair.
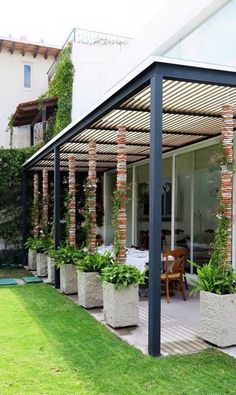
191,191
206,187
183,201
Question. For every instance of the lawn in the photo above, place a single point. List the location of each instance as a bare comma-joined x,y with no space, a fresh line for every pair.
48,345
14,273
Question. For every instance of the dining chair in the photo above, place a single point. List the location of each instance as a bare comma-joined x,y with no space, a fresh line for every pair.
174,270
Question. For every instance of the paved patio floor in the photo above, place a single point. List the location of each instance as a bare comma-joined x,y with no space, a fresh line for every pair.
179,322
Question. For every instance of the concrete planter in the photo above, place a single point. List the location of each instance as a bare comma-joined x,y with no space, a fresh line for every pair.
51,270
41,264
90,293
68,277
218,318
32,259
120,305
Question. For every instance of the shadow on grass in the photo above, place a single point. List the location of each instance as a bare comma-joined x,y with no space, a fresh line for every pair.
109,366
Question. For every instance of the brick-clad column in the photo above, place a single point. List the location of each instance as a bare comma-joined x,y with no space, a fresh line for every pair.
121,185
72,203
45,198
226,188
92,184
36,206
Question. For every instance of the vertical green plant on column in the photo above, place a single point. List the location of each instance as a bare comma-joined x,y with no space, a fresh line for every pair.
89,191
118,198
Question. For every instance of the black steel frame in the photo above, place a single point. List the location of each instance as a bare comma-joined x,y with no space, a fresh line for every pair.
153,75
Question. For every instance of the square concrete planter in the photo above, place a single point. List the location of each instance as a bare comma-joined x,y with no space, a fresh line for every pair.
32,259
90,293
120,305
218,318
68,276
41,264
51,270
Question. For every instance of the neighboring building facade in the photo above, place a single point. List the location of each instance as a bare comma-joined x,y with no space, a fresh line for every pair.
23,70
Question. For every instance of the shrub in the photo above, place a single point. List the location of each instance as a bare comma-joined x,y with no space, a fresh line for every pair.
40,245
94,262
65,255
122,275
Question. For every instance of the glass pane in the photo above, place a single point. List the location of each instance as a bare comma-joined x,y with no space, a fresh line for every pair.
142,181
183,187
166,203
206,187
27,76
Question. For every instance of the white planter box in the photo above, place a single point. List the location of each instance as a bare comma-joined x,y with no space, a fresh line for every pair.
51,270
68,276
120,305
90,292
41,264
218,318
32,259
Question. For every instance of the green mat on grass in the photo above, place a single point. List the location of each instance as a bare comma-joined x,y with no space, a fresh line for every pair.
32,279
8,281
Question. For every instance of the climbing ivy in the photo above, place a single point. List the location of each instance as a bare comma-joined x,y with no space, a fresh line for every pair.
60,86
10,195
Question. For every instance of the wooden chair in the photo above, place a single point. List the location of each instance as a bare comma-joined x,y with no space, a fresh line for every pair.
177,272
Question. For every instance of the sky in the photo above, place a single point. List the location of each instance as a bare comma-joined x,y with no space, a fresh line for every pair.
52,20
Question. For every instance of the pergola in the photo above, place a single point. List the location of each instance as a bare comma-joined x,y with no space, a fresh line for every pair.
163,107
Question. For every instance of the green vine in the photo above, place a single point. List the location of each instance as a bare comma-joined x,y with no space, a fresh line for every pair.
60,86
89,190
67,215
10,130
118,198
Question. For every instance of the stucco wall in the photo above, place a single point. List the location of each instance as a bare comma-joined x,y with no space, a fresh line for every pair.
12,91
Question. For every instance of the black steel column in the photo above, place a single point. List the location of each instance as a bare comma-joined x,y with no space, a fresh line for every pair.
154,317
57,208
31,135
24,212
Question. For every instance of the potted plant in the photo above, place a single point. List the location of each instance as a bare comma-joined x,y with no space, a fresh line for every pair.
120,294
65,258
41,246
51,266
90,293
31,253
216,284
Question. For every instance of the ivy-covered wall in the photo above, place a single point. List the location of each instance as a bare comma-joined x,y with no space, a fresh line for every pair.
10,197
61,86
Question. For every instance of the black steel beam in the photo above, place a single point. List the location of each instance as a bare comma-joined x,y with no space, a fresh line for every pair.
154,297
57,209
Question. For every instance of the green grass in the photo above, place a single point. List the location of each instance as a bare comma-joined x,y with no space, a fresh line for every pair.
48,345
14,273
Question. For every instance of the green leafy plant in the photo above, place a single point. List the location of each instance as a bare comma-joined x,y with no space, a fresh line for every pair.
122,275
94,262
217,279
40,245
65,255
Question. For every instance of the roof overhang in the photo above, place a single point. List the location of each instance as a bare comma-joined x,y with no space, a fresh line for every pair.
193,95
28,112
28,47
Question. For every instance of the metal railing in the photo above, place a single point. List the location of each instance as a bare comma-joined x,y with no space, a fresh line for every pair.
91,38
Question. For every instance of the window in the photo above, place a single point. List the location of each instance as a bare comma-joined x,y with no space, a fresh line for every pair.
27,76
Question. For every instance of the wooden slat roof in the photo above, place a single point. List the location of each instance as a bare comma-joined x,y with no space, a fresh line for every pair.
26,112
28,47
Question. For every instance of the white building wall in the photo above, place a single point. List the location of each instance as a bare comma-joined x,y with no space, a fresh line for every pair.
12,91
